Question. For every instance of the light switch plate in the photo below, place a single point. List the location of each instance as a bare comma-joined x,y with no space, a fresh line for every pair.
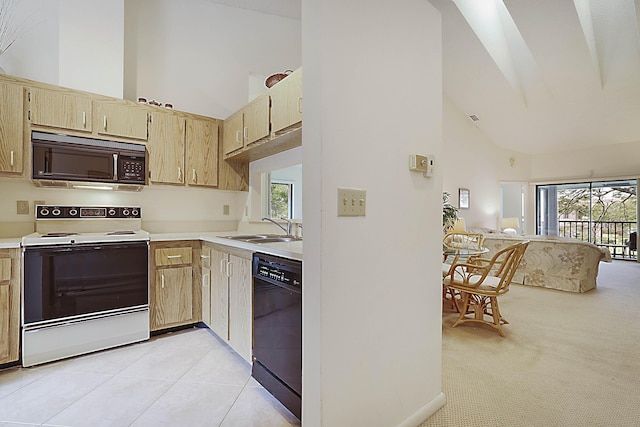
352,202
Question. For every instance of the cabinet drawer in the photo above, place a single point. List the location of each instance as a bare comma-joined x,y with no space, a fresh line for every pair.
173,256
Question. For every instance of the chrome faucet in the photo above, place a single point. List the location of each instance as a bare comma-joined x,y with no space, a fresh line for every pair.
286,230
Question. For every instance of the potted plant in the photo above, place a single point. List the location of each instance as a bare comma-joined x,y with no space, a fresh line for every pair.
449,213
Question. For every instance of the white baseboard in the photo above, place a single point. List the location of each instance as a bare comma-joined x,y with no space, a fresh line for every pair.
425,412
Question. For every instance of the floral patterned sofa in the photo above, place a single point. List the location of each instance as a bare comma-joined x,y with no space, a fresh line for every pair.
553,262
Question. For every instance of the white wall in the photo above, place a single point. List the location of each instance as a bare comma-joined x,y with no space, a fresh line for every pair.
372,301
91,46
200,55
34,55
471,160
189,209
619,160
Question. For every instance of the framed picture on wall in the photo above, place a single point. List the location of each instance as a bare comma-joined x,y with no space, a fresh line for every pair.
463,198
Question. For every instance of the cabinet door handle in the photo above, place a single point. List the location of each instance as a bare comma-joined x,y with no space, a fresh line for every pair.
229,269
174,256
300,105
204,256
179,173
162,276
238,136
246,133
205,280
104,122
193,175
11,157
222,266
84,119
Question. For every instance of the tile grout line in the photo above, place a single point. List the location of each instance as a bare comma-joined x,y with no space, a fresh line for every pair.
234,401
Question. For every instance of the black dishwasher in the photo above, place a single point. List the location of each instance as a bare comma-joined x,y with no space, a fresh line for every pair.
277,328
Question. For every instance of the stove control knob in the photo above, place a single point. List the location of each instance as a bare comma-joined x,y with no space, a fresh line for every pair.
125,212
134,212
112,212
44,212
56,212
73,212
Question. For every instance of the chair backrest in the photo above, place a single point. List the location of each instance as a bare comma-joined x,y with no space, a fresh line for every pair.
463,240
507,261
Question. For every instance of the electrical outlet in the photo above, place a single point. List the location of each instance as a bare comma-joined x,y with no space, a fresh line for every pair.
225,209
352,202
22,207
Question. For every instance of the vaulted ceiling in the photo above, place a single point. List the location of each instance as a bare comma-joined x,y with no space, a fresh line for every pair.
545,75
539,75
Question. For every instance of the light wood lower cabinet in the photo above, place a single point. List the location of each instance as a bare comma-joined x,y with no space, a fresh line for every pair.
205,258
9,305
174,296
231,298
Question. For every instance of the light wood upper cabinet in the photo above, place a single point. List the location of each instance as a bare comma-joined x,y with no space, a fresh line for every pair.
286,102
202,152
60,110
11,128
249,125
9,305
256,120
166,148
233,134
118,118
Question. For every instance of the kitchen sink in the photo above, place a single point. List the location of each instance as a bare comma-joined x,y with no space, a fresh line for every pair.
263,238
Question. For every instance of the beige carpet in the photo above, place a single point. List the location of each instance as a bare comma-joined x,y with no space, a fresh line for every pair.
567,359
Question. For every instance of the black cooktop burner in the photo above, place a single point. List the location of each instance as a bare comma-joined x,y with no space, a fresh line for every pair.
59,234
120,233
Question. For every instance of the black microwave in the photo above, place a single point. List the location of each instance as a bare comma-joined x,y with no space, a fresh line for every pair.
71,158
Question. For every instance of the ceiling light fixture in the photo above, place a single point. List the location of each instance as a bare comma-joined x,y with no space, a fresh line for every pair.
474,118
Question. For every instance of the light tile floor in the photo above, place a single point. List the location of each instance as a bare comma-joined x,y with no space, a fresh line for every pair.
186,378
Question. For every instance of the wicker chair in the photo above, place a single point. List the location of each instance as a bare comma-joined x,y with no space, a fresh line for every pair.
455,241
481,282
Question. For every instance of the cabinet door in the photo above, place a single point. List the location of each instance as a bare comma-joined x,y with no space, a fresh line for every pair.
11,128
166,148
240,306
9,305
232,135
173,296
202,152
206,296
256,120
286,102
120,119
219,294
60,110
205,258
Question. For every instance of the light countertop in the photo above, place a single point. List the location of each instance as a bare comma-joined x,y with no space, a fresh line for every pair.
292,250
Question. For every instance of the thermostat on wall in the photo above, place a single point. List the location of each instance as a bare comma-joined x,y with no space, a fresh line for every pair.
424,164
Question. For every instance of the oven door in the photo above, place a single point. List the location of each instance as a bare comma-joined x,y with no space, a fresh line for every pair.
68,281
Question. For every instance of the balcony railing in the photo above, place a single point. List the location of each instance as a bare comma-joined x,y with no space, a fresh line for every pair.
609,234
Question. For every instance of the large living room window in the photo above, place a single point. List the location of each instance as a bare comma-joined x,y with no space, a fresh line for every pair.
604,213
